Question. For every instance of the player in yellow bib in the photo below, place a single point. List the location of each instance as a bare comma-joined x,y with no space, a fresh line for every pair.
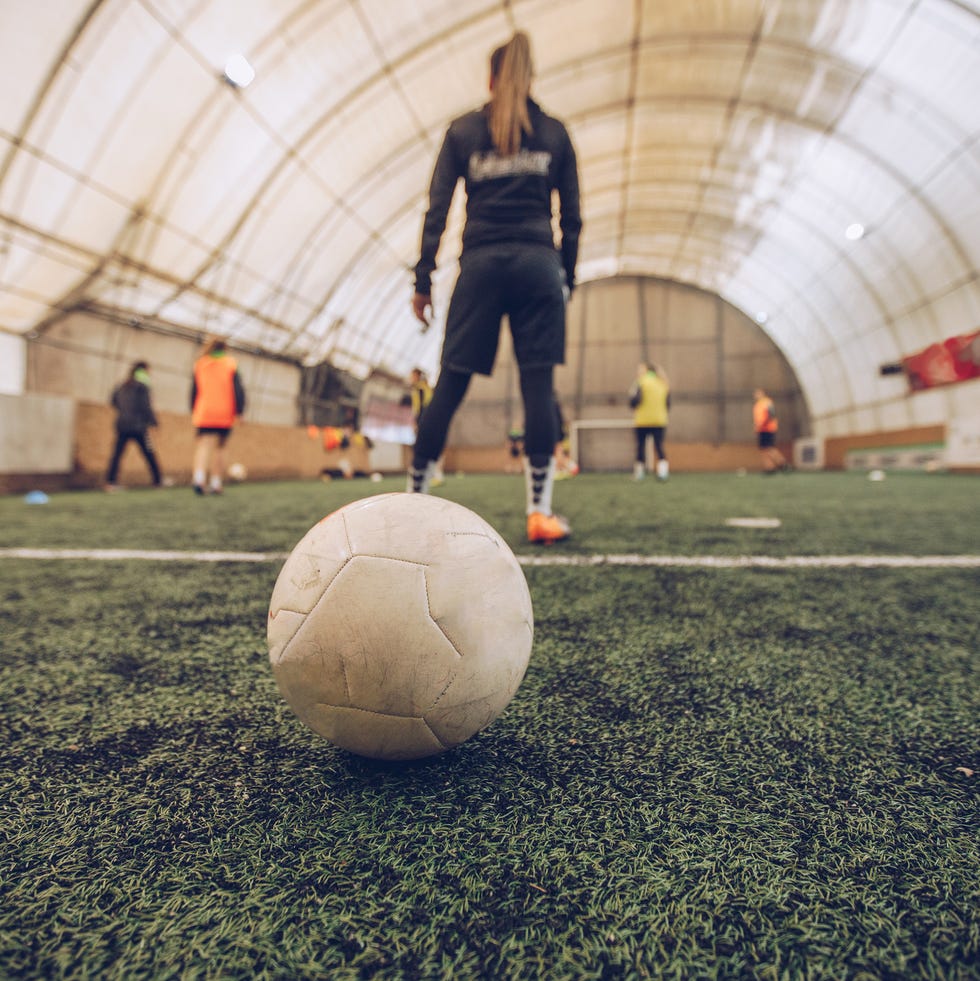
650,401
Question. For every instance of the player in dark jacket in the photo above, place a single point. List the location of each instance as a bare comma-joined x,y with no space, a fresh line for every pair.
134,417
511,156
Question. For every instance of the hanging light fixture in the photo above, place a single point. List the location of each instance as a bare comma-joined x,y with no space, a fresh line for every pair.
238,72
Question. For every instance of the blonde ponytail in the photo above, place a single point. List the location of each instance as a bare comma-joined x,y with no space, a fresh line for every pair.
511,70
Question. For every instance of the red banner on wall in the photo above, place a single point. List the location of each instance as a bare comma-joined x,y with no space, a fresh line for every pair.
954,360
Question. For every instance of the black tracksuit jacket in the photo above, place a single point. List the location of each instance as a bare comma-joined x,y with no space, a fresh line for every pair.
508,198
132,402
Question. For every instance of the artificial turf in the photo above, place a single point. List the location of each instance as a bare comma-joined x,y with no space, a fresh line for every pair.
706,773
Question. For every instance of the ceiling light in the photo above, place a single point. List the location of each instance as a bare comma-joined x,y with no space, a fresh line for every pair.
854,232
761,317
238,72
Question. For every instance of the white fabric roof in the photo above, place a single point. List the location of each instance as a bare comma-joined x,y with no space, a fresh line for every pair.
726,144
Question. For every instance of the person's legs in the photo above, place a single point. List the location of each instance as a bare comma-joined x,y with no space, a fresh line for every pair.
639,462
218,464
475,311
217,468
663,467
540,465
146,446
470,346
433,429
113,473
539,437
657,432
204,446
535,306
772,459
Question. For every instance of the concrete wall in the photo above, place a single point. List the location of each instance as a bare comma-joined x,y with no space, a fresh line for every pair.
266,451
684,457
837,448
86,442
36,434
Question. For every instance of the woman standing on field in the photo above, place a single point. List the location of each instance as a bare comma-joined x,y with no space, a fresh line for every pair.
511,155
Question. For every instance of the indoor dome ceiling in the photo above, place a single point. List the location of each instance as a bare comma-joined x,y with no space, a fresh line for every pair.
725,144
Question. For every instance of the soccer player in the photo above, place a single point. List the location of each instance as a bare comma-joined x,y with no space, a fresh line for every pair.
419,393
650,400
217,399
419,396
511,156
766,426
134,418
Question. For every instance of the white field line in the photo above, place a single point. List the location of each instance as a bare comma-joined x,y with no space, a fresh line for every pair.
763,561
117,554
674,561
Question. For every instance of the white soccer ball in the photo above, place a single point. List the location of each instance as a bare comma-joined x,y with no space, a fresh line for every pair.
237,472
400,626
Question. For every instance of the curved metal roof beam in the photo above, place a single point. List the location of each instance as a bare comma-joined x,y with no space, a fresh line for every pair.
293,152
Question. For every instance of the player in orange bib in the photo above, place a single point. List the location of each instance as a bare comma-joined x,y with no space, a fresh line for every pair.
217,400
766,426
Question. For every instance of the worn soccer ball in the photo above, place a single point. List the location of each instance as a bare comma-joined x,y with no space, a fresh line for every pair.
237,472
400,626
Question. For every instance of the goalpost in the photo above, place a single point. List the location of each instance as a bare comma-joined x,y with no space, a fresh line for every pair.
608,445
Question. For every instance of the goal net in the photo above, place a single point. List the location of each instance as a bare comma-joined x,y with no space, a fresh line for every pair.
604,445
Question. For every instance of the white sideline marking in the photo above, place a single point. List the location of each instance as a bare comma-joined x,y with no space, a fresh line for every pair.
675,561
113,554
753,522
762,561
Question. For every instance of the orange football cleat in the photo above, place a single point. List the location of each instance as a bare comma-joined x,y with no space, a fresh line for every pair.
546,528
